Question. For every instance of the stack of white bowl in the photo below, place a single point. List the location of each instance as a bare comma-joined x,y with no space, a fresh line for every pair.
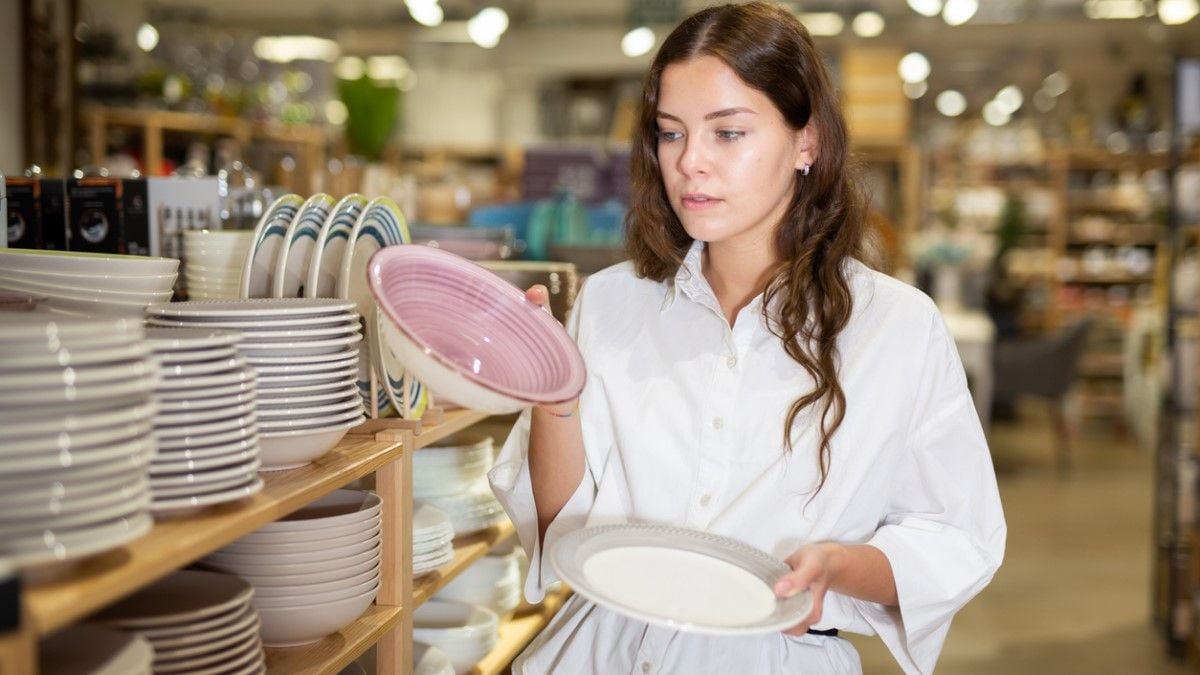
206,423
197,622
303,350
213,262
429,660
314,571
433,539
95,650
466,633
493,582
76,435
453,477
89,284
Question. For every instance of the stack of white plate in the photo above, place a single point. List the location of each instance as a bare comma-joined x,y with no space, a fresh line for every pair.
85,649
197,622
76,435
466,633
429,660
433,539
453,477
206,424
493,582
304,353
315,571
88,283
213,262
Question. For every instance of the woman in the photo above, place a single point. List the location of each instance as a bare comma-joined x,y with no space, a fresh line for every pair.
747,376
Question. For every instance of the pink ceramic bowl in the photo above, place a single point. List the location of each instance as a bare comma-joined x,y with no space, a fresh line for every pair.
470,335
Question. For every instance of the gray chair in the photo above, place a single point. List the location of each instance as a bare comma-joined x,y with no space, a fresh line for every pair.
1043,367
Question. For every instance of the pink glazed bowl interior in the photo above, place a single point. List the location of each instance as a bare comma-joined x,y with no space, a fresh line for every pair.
476,323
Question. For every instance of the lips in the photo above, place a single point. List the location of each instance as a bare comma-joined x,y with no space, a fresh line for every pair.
697,201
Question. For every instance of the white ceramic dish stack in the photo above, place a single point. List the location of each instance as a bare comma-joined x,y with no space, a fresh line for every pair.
89,284
453,477
433,539
84,649
206,426
199,623
466,633
493,582
304,352
213,262
76,436
429,660
314,571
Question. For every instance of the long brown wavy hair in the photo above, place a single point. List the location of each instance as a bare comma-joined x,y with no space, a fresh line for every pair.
824,224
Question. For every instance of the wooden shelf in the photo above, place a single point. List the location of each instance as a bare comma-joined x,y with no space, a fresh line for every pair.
467,550
172,544
517,632
452,422
332,654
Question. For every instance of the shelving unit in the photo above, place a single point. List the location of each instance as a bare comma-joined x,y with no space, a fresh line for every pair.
172,544
516,633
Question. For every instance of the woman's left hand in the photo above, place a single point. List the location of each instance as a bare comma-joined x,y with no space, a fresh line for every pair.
813,569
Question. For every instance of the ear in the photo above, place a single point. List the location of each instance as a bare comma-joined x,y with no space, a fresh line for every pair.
807,141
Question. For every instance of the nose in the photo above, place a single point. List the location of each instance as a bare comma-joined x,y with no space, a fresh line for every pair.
694,158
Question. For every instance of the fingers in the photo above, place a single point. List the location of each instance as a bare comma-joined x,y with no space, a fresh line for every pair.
538,295
806,575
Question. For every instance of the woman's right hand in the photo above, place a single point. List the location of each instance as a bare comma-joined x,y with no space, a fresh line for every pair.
540,296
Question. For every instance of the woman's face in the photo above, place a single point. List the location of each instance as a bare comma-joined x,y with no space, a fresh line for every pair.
727,156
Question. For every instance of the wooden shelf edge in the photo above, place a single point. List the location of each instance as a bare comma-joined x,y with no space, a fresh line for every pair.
172,544
467,550
452,422
330,655
518,632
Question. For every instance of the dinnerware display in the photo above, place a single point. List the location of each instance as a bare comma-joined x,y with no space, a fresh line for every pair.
86,649
433,539
329,249
466,633
452,476
89,284
296,250
198,464
679,578
258,268
76,435
471,336
302,355
314,571
214,259
492,581
196,621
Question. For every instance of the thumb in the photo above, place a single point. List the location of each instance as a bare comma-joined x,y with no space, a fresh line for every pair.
538,295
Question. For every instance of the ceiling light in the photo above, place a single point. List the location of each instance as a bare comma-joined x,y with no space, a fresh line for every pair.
1116,9
958,12
926,7
868,24
915,90
1176,12
1056,83
1011,98
349,68
637,42
288,48
995,114
823,24
486,27
147,37
387,68
951,103
336,112
426,12
914,67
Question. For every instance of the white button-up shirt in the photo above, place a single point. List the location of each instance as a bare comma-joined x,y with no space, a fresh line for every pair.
683,424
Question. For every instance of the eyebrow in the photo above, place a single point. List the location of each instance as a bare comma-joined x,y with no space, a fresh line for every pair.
712,115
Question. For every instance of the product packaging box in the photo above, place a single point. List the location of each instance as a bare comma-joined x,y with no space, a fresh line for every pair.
52,210
23,223
108,215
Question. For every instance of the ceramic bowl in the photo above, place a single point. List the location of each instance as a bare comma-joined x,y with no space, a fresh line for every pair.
336,509
85,264
254,548
309,596
302,624
281,450
471,336
369,572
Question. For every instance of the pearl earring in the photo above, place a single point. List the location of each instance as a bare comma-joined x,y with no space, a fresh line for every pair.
805,169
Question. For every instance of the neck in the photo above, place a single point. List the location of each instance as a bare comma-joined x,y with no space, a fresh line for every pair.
737,272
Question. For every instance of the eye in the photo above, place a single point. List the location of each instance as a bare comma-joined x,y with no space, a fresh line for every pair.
666,135
730,134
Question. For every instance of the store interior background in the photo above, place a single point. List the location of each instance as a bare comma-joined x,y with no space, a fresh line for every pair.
1020,214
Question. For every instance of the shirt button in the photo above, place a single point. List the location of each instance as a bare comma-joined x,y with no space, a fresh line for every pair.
645,666
704,501
731,362
718,423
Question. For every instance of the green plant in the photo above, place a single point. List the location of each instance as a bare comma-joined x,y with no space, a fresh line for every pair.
372,114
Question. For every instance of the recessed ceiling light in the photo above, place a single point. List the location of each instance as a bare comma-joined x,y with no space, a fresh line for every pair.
914,67
868,24
951,103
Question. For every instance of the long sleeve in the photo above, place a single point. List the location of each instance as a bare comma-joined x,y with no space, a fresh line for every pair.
944,534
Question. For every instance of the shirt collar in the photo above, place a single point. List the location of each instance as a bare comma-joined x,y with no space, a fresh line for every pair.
689,277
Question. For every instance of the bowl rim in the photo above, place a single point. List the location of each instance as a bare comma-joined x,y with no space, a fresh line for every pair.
577,377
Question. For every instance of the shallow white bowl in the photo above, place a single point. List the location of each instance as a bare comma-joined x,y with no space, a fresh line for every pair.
299,558
336,509
309,597
283,450
73,262
263,583
265,566
369,572
258,548
303,624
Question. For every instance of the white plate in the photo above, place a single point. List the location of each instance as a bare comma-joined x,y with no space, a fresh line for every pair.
241,457
249,443
182,597
167,435
50,547
188,339
270,334
268,322
177,395
15,426
33,494
133,462
259,265
176,633
381,224
56,376
303,347
176,505
393,375
36,331
179,485
267,396
60,441
295,252
199,368
344,361
94,650
203,441
288,401
64,356
330,247
195,355
344,374
52,512
269,414
190,384
272,427
82,398
250,308
206,402
83,264
220,637
678,578
101,454
198,417
138,499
